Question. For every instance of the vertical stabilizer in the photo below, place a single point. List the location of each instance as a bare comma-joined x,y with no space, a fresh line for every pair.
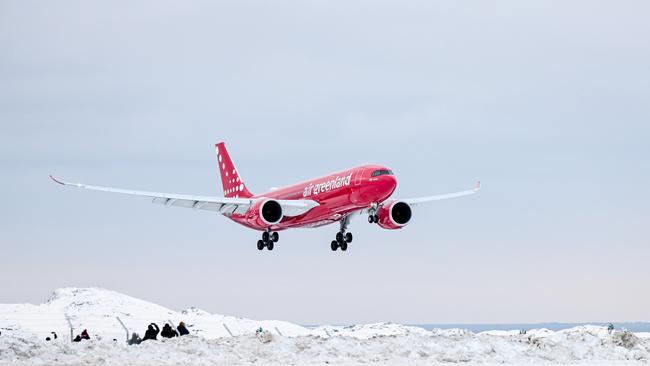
232,183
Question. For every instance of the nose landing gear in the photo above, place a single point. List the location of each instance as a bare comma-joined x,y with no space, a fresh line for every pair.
268,239
372,217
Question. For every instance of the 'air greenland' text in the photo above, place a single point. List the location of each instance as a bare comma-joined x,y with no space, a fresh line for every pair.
335,183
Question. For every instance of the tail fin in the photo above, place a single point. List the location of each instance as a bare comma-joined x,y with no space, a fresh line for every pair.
233,185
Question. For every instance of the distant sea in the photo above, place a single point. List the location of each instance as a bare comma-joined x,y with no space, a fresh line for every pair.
476,328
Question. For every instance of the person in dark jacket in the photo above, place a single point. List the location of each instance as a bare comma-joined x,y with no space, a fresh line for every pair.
84,335
182,329
135,339
168,332
54,335
152,332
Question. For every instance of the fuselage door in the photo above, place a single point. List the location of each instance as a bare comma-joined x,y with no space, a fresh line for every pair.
359,176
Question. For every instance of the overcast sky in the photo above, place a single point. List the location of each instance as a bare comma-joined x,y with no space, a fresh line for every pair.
546,102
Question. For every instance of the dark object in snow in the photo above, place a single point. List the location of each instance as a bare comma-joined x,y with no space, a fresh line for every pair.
152,332
168,332
182,330
135,339
264,336
610,328
625,339
82,336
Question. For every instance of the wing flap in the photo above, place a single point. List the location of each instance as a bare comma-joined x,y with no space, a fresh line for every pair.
223,205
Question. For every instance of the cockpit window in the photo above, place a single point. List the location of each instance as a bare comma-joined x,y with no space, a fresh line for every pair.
377,173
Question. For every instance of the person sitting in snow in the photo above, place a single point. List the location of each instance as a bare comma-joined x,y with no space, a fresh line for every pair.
84,335
168,332
152,332
135,339
80,337
182,329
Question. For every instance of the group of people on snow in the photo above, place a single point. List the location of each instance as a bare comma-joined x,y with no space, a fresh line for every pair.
83,336
153,330
150,334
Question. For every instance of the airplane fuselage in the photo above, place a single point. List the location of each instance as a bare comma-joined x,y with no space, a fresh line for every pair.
337,194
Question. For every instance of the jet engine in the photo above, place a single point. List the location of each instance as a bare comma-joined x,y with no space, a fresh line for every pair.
394,215
265,213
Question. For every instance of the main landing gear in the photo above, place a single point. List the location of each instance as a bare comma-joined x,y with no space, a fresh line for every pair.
268,239
342,237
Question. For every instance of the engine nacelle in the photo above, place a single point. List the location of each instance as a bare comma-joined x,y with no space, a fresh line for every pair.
394,215
265,213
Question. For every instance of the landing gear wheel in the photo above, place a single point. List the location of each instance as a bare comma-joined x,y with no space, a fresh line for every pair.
260,245
334,245
269,245
344,246
275,237
265,236
348,238
339,237
371,219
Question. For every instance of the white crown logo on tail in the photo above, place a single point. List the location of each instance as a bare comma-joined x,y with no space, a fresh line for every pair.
232,184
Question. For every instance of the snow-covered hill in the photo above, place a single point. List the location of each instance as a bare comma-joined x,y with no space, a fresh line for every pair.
98,310
25,326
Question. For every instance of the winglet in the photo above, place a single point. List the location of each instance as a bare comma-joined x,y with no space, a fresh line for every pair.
56,180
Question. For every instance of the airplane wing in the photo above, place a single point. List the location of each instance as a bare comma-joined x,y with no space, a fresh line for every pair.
221,205
419,200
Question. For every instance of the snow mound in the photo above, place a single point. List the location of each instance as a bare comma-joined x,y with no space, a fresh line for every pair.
106,313
365,331
225,340
580,347
94,300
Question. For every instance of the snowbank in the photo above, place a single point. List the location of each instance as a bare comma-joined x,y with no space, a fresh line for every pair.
582,346
25,326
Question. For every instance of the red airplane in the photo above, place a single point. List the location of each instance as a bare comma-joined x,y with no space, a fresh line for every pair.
336,197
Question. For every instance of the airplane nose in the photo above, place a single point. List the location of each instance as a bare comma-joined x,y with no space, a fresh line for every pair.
393,182
389,183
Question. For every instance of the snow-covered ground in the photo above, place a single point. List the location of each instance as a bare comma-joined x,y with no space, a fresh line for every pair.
24,328
98,311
